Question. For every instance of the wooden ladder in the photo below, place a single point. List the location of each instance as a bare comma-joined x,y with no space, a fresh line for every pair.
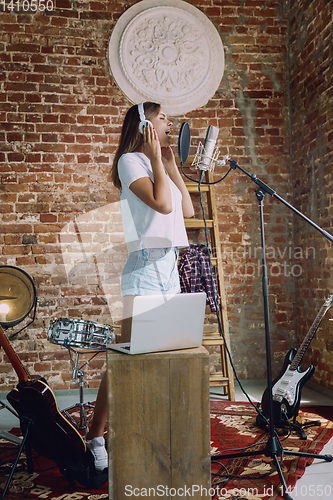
212,335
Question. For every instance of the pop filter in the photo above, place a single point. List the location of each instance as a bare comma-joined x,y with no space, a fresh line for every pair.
18,295
184,140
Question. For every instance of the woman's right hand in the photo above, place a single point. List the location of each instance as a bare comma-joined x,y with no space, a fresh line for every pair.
151,144
156,194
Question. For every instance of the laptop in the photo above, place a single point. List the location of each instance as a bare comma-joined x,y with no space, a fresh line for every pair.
165,323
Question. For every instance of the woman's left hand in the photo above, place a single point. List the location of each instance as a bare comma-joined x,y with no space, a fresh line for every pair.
168,159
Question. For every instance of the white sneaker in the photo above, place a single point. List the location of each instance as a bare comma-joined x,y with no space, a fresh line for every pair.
97,448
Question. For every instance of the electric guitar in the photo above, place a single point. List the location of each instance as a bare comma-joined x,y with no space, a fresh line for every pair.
287,386
50,434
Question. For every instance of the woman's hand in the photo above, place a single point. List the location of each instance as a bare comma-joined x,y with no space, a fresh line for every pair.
168,159
157,194
151,144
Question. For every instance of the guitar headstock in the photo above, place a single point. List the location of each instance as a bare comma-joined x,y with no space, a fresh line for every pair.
329,301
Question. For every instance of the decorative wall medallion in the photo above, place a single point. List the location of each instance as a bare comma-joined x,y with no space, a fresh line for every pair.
168,52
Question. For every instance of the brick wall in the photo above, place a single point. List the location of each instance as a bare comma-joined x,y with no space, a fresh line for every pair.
252,109
61,114
311,92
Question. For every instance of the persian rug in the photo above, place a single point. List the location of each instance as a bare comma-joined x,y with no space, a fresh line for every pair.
233,425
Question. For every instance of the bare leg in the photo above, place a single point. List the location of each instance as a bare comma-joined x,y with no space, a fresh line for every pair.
100,411
95,441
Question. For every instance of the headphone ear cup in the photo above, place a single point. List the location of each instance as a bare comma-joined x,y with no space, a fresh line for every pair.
144,123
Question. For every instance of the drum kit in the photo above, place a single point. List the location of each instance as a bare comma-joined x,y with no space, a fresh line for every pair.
79,337
18,299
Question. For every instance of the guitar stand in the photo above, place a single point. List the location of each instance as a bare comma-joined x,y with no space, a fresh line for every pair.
283,427
78,374
28,424
299,428
273,448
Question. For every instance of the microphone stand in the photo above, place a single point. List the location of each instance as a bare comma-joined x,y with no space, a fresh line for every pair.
266,189
273,447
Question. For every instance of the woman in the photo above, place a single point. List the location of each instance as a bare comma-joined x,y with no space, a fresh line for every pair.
154,202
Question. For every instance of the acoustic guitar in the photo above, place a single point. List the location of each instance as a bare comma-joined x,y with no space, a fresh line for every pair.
50,434
287,386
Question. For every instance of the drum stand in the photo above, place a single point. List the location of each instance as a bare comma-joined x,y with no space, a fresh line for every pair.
78,374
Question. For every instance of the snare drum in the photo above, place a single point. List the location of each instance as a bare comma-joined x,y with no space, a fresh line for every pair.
80,333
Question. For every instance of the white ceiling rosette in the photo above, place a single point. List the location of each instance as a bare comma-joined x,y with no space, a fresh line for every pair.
167,52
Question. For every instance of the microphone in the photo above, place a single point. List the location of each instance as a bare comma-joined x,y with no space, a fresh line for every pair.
207,154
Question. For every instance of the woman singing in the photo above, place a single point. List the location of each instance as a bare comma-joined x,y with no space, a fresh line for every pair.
154,202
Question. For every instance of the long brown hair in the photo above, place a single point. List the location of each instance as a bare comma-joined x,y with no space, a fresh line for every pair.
130,137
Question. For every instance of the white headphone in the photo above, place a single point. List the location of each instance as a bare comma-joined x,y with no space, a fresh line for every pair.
143,121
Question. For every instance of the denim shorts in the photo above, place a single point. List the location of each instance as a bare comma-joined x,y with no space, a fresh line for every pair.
151,271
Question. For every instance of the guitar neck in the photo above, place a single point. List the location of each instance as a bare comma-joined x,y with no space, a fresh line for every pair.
13,358
309,336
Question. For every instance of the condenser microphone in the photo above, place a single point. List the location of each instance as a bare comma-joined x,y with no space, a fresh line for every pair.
207,153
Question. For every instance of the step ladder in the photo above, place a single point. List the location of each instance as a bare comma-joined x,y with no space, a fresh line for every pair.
212,336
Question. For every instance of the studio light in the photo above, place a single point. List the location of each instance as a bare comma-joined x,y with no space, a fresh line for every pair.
18,296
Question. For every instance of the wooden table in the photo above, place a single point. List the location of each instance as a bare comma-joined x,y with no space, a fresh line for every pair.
159,424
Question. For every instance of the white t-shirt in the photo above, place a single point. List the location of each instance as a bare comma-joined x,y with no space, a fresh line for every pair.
143,226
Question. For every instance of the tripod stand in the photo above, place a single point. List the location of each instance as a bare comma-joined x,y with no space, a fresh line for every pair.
273,448
78,374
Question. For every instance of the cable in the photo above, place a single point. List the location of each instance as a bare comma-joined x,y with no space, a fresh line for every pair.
229,476
239,449
216,304
236,476
205,183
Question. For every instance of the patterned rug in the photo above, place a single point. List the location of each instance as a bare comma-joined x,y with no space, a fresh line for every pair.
233,425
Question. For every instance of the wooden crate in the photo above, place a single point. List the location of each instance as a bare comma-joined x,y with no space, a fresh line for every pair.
159,424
